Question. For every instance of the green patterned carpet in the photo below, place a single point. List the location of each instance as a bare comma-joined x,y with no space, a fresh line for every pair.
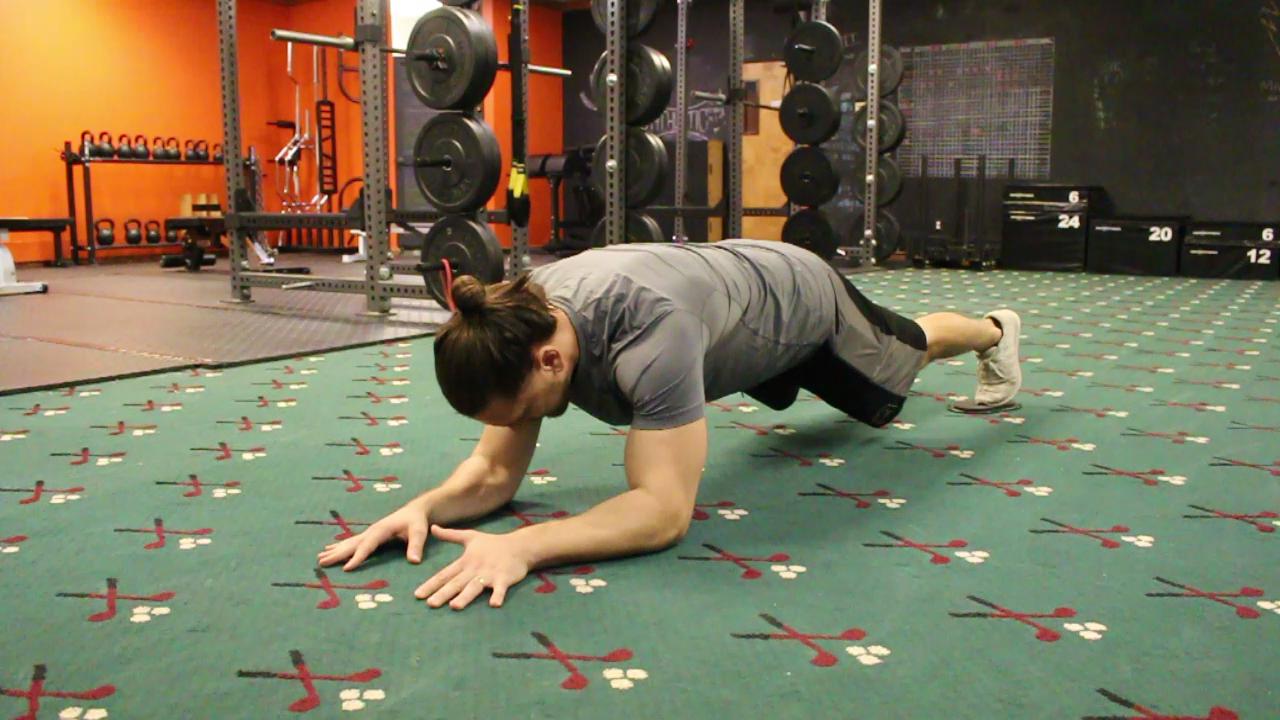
1108,551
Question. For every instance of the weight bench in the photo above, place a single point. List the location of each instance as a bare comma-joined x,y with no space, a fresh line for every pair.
9,284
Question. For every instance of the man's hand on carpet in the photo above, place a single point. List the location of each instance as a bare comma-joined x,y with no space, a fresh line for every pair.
409,524
487,561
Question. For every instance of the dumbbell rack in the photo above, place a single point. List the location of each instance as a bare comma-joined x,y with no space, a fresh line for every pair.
72,157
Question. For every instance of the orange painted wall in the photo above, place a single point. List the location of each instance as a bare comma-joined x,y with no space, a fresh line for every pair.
138,66
142,77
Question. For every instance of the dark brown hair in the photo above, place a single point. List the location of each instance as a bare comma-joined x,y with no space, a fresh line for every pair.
485,351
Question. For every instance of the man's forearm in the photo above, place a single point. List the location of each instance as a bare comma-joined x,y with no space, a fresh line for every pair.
474,490
632,523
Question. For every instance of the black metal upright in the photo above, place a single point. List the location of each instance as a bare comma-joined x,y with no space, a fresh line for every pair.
232,146
737,120
518,59
615,120
371,28
872,144
682,99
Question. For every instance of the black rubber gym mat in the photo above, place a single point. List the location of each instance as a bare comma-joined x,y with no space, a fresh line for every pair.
114,321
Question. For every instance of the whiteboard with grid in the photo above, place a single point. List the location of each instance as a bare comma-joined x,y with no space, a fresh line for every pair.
982,98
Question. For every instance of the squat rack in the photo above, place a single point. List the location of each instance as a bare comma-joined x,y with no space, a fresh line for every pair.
615,124
376,215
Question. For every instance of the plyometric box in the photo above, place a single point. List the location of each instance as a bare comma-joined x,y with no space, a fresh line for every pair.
1135,245
1232,250
1046,226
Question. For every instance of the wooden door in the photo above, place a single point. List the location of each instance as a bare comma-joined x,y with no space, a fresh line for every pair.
764,151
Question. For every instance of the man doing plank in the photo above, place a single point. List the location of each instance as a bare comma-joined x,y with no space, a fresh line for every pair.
645,336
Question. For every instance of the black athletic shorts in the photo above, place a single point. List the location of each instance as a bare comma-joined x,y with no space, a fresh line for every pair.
865,370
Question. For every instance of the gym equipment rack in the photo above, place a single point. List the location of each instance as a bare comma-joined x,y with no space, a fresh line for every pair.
72,157
373,212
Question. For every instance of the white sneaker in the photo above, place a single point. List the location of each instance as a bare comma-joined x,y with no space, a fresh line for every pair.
999,372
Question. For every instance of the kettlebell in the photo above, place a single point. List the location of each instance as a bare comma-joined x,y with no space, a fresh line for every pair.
202,150
217,152
105,232
133,231
87,148
105,149
174,152
124,151
140,149
171,236
159,151
190,146
153,232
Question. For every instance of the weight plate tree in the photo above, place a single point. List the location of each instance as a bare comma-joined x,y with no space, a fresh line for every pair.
809,116
456,157
630,165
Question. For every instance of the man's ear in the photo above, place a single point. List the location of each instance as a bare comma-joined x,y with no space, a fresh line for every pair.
548,357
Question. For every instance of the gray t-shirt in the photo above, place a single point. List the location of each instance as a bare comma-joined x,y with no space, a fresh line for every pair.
663,328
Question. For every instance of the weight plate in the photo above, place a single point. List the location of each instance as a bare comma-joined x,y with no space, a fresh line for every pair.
475,158
889,237
646,167
808,114
889,133
814,51
471,247
809,178
648,84
811,230
888,179
640,228
639,15
890,72
888,234
463,76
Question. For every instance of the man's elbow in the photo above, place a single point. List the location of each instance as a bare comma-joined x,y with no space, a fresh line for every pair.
672,528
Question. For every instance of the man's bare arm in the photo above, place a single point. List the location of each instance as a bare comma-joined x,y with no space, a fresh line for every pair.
481,484
664,468
486,480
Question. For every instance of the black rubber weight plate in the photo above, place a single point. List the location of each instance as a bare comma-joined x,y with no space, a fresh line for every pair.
889,133
888,179
471,248
814,51
809,115
810,229
639,15
645,166
809,178
888,234
648,84
640,228
470,59
890,72
475,168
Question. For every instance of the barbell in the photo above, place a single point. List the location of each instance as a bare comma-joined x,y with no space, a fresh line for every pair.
452,55
346,43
